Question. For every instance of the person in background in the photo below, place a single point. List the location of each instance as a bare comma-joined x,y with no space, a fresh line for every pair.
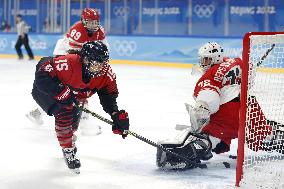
87,29
5,27
22,38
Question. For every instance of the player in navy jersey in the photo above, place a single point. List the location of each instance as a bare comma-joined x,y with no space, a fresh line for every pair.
62,81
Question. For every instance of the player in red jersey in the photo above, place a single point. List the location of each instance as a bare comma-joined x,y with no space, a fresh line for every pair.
215,115
62,81
87,29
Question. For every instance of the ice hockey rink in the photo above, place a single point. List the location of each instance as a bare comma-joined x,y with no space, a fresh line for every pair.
154,98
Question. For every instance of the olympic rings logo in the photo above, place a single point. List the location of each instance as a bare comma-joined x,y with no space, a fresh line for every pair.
204,11
120,11
124,47
3,43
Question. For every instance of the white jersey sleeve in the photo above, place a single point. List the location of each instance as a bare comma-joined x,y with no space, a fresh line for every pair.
61,47
212,99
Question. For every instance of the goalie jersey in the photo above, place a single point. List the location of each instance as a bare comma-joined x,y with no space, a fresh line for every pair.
219,87
220,84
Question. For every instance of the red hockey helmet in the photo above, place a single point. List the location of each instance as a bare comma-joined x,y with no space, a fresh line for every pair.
90,19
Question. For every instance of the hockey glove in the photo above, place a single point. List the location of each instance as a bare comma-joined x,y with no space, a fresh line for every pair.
199,115
120,123
65,96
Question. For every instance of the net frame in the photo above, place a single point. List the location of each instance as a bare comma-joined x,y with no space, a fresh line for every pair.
257,38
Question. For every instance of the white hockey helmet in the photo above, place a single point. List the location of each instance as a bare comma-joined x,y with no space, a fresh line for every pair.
209,54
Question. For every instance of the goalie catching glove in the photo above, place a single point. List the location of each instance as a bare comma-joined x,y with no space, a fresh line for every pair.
195,147
199,115
120,123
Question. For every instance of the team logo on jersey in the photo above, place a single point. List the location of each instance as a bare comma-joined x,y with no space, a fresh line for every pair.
124,47
120,11
90,45
3,43
204,11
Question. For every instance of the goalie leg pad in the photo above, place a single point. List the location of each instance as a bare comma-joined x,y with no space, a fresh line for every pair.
193,148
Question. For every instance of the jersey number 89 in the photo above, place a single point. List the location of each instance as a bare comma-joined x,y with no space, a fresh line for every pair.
76,35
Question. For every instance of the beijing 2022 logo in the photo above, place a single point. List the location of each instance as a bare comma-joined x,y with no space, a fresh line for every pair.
204,11
124,47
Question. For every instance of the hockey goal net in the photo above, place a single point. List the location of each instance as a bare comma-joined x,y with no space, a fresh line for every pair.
260,163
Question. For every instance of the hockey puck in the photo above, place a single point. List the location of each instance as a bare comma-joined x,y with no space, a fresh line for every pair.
226,164
232,157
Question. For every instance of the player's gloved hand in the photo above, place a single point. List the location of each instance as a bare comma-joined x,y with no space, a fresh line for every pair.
65,96
120,123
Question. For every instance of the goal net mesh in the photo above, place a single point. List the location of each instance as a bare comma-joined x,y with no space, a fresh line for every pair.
264,169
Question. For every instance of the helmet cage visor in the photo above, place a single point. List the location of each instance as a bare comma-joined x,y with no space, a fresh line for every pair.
205,62
93,66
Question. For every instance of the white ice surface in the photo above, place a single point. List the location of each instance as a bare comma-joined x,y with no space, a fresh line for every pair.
154,97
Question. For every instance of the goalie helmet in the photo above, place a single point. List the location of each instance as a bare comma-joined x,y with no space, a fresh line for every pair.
209,54
94,56
90,19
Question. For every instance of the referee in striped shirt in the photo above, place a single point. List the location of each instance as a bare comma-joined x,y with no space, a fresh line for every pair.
22,38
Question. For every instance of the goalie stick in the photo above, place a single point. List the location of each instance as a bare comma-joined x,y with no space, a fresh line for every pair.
196,164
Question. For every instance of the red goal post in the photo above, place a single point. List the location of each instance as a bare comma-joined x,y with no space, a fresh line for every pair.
263,88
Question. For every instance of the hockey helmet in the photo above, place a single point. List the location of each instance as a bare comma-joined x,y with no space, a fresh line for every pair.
94,56
90,19
209,54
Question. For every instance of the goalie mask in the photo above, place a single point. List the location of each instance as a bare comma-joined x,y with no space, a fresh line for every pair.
94,57
209,54
90,19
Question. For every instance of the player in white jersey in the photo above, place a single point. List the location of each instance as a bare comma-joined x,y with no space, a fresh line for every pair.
215,116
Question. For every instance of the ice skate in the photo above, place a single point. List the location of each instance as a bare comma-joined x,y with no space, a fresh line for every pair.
71,160
35,116
84,116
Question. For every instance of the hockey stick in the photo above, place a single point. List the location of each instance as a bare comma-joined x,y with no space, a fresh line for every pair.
265,55
196,164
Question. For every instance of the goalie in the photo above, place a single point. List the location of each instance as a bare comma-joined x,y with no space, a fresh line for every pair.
215,117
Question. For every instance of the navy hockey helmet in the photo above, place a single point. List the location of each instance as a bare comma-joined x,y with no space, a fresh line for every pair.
95,56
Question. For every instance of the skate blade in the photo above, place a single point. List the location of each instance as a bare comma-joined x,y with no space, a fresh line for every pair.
34,121
76,171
